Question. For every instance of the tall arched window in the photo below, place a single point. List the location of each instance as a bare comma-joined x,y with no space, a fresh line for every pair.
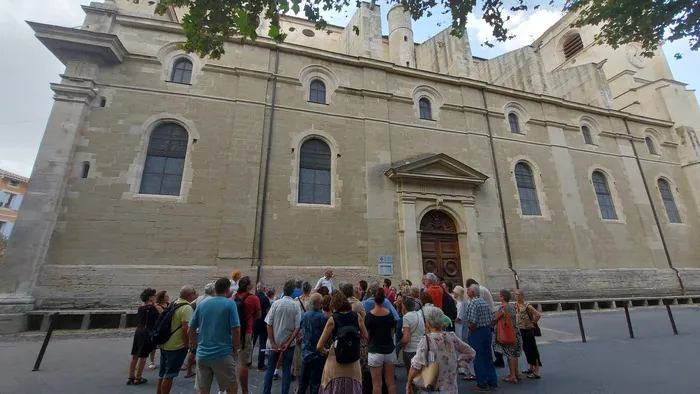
669,202
650,145
85,170
514,123
315,172
526,189
182,71
424,109
317,92
587,137
572,45
165,160
602,192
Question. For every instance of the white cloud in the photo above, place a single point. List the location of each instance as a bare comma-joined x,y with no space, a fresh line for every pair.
525,26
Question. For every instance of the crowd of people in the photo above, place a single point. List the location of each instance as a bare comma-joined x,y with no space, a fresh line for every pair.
339,339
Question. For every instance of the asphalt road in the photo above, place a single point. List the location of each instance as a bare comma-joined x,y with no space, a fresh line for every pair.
655,361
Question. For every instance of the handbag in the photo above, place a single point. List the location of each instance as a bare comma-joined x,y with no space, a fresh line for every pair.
536,328
505,333
427,379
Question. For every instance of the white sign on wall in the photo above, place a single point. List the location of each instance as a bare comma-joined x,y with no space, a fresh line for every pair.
386,265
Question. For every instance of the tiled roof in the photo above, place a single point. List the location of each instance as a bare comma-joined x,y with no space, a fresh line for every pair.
8,174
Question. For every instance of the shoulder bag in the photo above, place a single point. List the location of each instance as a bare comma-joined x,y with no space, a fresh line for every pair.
427,379
505,332
536,327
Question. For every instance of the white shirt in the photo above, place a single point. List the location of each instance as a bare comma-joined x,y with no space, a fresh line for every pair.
486,295
324,282
414,321
284,317
234,286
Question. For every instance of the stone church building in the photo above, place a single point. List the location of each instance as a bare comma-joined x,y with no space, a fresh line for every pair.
566,169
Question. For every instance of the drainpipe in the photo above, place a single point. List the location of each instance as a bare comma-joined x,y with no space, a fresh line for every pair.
266,176
653,208
500,192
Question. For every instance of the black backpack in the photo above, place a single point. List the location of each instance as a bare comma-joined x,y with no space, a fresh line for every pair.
163,329
240,303
449,307
347,344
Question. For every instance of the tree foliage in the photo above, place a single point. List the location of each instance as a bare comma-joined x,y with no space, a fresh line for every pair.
647,22
3,245
209,23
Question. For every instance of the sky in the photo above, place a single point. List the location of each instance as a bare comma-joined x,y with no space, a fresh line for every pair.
28,67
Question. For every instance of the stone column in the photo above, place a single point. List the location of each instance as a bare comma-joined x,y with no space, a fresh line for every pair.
476,263
411,265
41,206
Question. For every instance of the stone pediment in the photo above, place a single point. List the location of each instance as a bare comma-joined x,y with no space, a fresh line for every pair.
438,168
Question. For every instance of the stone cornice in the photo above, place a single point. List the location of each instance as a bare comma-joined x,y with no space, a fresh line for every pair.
73,93
76,44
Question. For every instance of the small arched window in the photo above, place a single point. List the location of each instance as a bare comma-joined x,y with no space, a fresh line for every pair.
85,169
424,109
602,192
587,137
103,102
651,147
669,202
514,123
315,172
526,190
317,92
165,160
572,45
182,71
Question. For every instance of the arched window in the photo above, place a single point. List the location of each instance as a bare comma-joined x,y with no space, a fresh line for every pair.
587,137
165,160
315,172
514,123
182,71
103,102
669,202
317,92
572,45
602,192
526,189
650,145
424,109
86,169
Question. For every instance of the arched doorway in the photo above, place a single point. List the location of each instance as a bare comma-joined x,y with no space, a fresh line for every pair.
440,247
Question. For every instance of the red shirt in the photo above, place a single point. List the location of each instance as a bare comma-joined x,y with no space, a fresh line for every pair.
251,306
436,292
390,295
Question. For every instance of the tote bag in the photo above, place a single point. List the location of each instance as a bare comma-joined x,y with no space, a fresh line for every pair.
505,333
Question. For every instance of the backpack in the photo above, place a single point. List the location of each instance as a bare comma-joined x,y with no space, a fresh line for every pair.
163,329
240,303
347,344
449,307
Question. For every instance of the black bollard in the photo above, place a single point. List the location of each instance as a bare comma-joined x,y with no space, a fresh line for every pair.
580,322
670,316
53,322
629,322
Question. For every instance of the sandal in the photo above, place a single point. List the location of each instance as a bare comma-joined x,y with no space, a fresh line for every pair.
526,371
130,381
140,381
532,375
190,375
510,380
468,377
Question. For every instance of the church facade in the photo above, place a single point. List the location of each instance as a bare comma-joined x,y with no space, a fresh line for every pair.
369,154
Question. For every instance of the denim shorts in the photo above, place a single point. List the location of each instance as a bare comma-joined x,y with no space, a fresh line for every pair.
170,362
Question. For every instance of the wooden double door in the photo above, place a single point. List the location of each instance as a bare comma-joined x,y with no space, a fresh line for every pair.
440,247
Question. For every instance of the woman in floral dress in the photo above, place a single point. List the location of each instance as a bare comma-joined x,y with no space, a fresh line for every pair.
507,311
447,349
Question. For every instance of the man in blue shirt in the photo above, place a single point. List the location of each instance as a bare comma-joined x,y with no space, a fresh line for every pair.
479,318
369,302
312,324
218,339
298,282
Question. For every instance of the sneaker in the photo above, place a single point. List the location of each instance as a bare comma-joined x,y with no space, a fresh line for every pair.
152,366
276,376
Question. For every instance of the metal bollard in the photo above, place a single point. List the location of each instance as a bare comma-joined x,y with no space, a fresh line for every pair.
580,322
52,326
629,322
670,317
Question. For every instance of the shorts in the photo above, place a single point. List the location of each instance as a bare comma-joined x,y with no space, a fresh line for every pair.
378,359
170,362
223,370
246,353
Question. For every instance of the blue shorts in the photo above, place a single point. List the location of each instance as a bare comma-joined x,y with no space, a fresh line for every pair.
170,362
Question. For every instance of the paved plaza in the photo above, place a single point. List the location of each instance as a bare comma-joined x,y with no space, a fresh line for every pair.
655,361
